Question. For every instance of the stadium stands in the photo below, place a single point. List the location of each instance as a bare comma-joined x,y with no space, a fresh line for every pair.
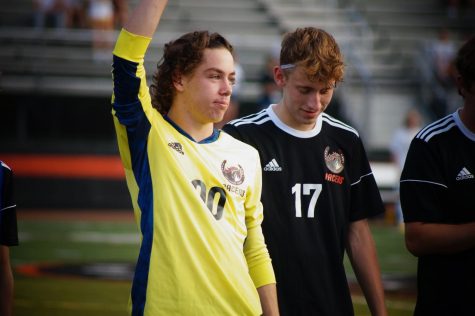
51,84
379,40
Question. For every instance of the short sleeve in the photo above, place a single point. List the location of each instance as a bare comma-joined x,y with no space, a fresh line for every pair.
8,220
422,186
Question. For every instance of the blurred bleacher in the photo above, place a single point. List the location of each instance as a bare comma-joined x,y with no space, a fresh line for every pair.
55,95
383,43
42,68
60,60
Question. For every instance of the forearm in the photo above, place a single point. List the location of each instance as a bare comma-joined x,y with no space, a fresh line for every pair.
258,259
261,270
6,288
145,17
6,283
362,254
268,298
433,238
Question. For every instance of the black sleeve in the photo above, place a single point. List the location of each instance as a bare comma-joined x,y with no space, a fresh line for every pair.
8,220
423,188
365,197
233,131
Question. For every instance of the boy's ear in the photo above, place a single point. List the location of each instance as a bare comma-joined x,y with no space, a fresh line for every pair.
460,85
279,76
178,82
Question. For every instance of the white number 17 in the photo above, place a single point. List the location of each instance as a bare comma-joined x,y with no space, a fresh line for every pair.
307,188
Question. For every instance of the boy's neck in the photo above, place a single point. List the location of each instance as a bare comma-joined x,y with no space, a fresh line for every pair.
196,130
467,115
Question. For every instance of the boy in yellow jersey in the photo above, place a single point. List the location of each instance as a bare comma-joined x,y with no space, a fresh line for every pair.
195,191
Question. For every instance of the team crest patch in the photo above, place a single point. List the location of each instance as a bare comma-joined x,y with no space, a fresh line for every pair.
335,161
234,174
177,147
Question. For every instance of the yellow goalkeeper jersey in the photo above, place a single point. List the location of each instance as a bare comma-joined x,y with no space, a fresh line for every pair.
197,206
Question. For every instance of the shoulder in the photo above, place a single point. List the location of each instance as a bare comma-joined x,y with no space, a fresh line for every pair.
4,166
5,169
434,130
231,141
251,120
249,127
333,124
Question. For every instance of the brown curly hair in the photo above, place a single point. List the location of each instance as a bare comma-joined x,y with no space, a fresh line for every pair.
181,57
315,50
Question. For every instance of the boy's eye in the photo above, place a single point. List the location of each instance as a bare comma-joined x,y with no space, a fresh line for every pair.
328,89
214,75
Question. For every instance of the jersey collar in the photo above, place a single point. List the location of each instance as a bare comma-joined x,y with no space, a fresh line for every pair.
462,127
213,137
292,131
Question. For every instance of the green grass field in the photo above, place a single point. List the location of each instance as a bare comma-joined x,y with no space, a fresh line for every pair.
52,241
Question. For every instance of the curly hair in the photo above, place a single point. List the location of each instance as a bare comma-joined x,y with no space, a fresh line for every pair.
315,50
181,57
465,62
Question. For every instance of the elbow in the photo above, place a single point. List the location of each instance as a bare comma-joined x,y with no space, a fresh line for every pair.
413,244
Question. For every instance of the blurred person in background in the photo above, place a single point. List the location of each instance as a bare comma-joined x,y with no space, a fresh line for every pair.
398,147
270,93
438,202
318,187
8,238
468,19
453,8
121,11
50,12
100,14
76,12
441,55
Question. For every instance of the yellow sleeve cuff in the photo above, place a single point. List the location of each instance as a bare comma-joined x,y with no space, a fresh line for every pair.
262,274
131,46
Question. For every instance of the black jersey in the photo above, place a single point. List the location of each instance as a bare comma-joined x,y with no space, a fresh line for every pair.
314,184
438,186
8,223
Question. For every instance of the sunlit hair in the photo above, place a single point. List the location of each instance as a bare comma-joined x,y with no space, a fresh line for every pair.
180,58
465,63
316,51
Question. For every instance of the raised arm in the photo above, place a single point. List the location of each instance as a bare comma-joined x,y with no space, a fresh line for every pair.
131,99
145,17
362,254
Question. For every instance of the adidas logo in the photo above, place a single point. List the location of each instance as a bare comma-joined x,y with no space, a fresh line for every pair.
272,166
464,174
